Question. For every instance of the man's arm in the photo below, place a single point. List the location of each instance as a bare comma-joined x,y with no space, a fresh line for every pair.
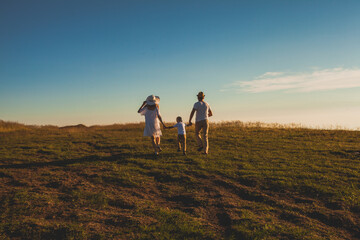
210,113
191,116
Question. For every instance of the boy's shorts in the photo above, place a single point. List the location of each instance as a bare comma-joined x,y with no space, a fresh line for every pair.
182,138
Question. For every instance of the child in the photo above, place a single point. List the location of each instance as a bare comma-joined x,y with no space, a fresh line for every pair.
181,139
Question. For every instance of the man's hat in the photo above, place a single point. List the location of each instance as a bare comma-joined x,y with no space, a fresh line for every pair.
201,94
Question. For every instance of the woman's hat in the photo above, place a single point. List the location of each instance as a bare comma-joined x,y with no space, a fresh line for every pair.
152,100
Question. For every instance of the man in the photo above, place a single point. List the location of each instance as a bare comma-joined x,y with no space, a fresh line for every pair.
203,112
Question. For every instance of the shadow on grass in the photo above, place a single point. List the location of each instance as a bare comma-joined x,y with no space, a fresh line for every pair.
93,158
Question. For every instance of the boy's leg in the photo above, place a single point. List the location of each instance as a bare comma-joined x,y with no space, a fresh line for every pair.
178,143
184,144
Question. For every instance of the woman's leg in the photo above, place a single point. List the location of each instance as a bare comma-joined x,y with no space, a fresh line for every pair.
158,141
153,142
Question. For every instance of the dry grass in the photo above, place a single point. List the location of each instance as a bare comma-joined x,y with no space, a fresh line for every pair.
101,182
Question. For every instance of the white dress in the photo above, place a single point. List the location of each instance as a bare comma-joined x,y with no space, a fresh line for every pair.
152,123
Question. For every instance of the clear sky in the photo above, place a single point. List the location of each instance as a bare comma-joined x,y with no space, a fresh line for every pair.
94,62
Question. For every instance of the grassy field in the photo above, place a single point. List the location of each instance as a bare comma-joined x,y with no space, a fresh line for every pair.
104,183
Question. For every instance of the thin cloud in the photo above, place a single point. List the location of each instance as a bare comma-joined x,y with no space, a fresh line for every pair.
318,80
271,74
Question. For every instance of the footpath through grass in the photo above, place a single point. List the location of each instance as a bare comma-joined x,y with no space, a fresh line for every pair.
104,183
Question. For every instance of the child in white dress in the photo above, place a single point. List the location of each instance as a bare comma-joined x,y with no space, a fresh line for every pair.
181,139
150,109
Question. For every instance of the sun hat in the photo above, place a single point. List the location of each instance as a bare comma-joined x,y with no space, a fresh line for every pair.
152,100
201,94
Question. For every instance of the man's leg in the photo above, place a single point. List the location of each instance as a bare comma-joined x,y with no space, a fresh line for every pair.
205,136
198,127
184,144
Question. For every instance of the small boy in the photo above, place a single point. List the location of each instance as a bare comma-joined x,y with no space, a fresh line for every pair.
181,139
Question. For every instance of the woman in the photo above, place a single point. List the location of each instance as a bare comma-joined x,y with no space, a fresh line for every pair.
150,109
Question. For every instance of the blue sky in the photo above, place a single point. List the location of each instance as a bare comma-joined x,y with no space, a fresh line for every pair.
94,62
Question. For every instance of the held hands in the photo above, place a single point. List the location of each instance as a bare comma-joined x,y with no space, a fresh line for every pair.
165,127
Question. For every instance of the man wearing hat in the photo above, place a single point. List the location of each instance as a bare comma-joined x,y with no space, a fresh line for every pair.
203,112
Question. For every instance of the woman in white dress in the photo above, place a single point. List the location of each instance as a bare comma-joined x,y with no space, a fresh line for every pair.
150,109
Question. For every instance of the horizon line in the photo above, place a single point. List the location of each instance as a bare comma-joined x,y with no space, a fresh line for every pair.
260,124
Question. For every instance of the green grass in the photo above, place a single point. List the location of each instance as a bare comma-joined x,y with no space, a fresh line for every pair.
103,182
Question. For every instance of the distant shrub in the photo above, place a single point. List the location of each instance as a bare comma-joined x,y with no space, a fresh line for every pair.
11,126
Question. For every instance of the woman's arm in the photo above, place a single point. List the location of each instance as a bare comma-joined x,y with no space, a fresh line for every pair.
159,116
143,105
161,121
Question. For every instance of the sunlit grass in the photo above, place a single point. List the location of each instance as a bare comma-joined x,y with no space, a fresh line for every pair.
259,181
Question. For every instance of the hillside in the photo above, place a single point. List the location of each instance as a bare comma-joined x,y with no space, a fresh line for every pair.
103,182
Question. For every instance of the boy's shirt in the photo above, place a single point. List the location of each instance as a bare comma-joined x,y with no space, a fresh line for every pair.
180,127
